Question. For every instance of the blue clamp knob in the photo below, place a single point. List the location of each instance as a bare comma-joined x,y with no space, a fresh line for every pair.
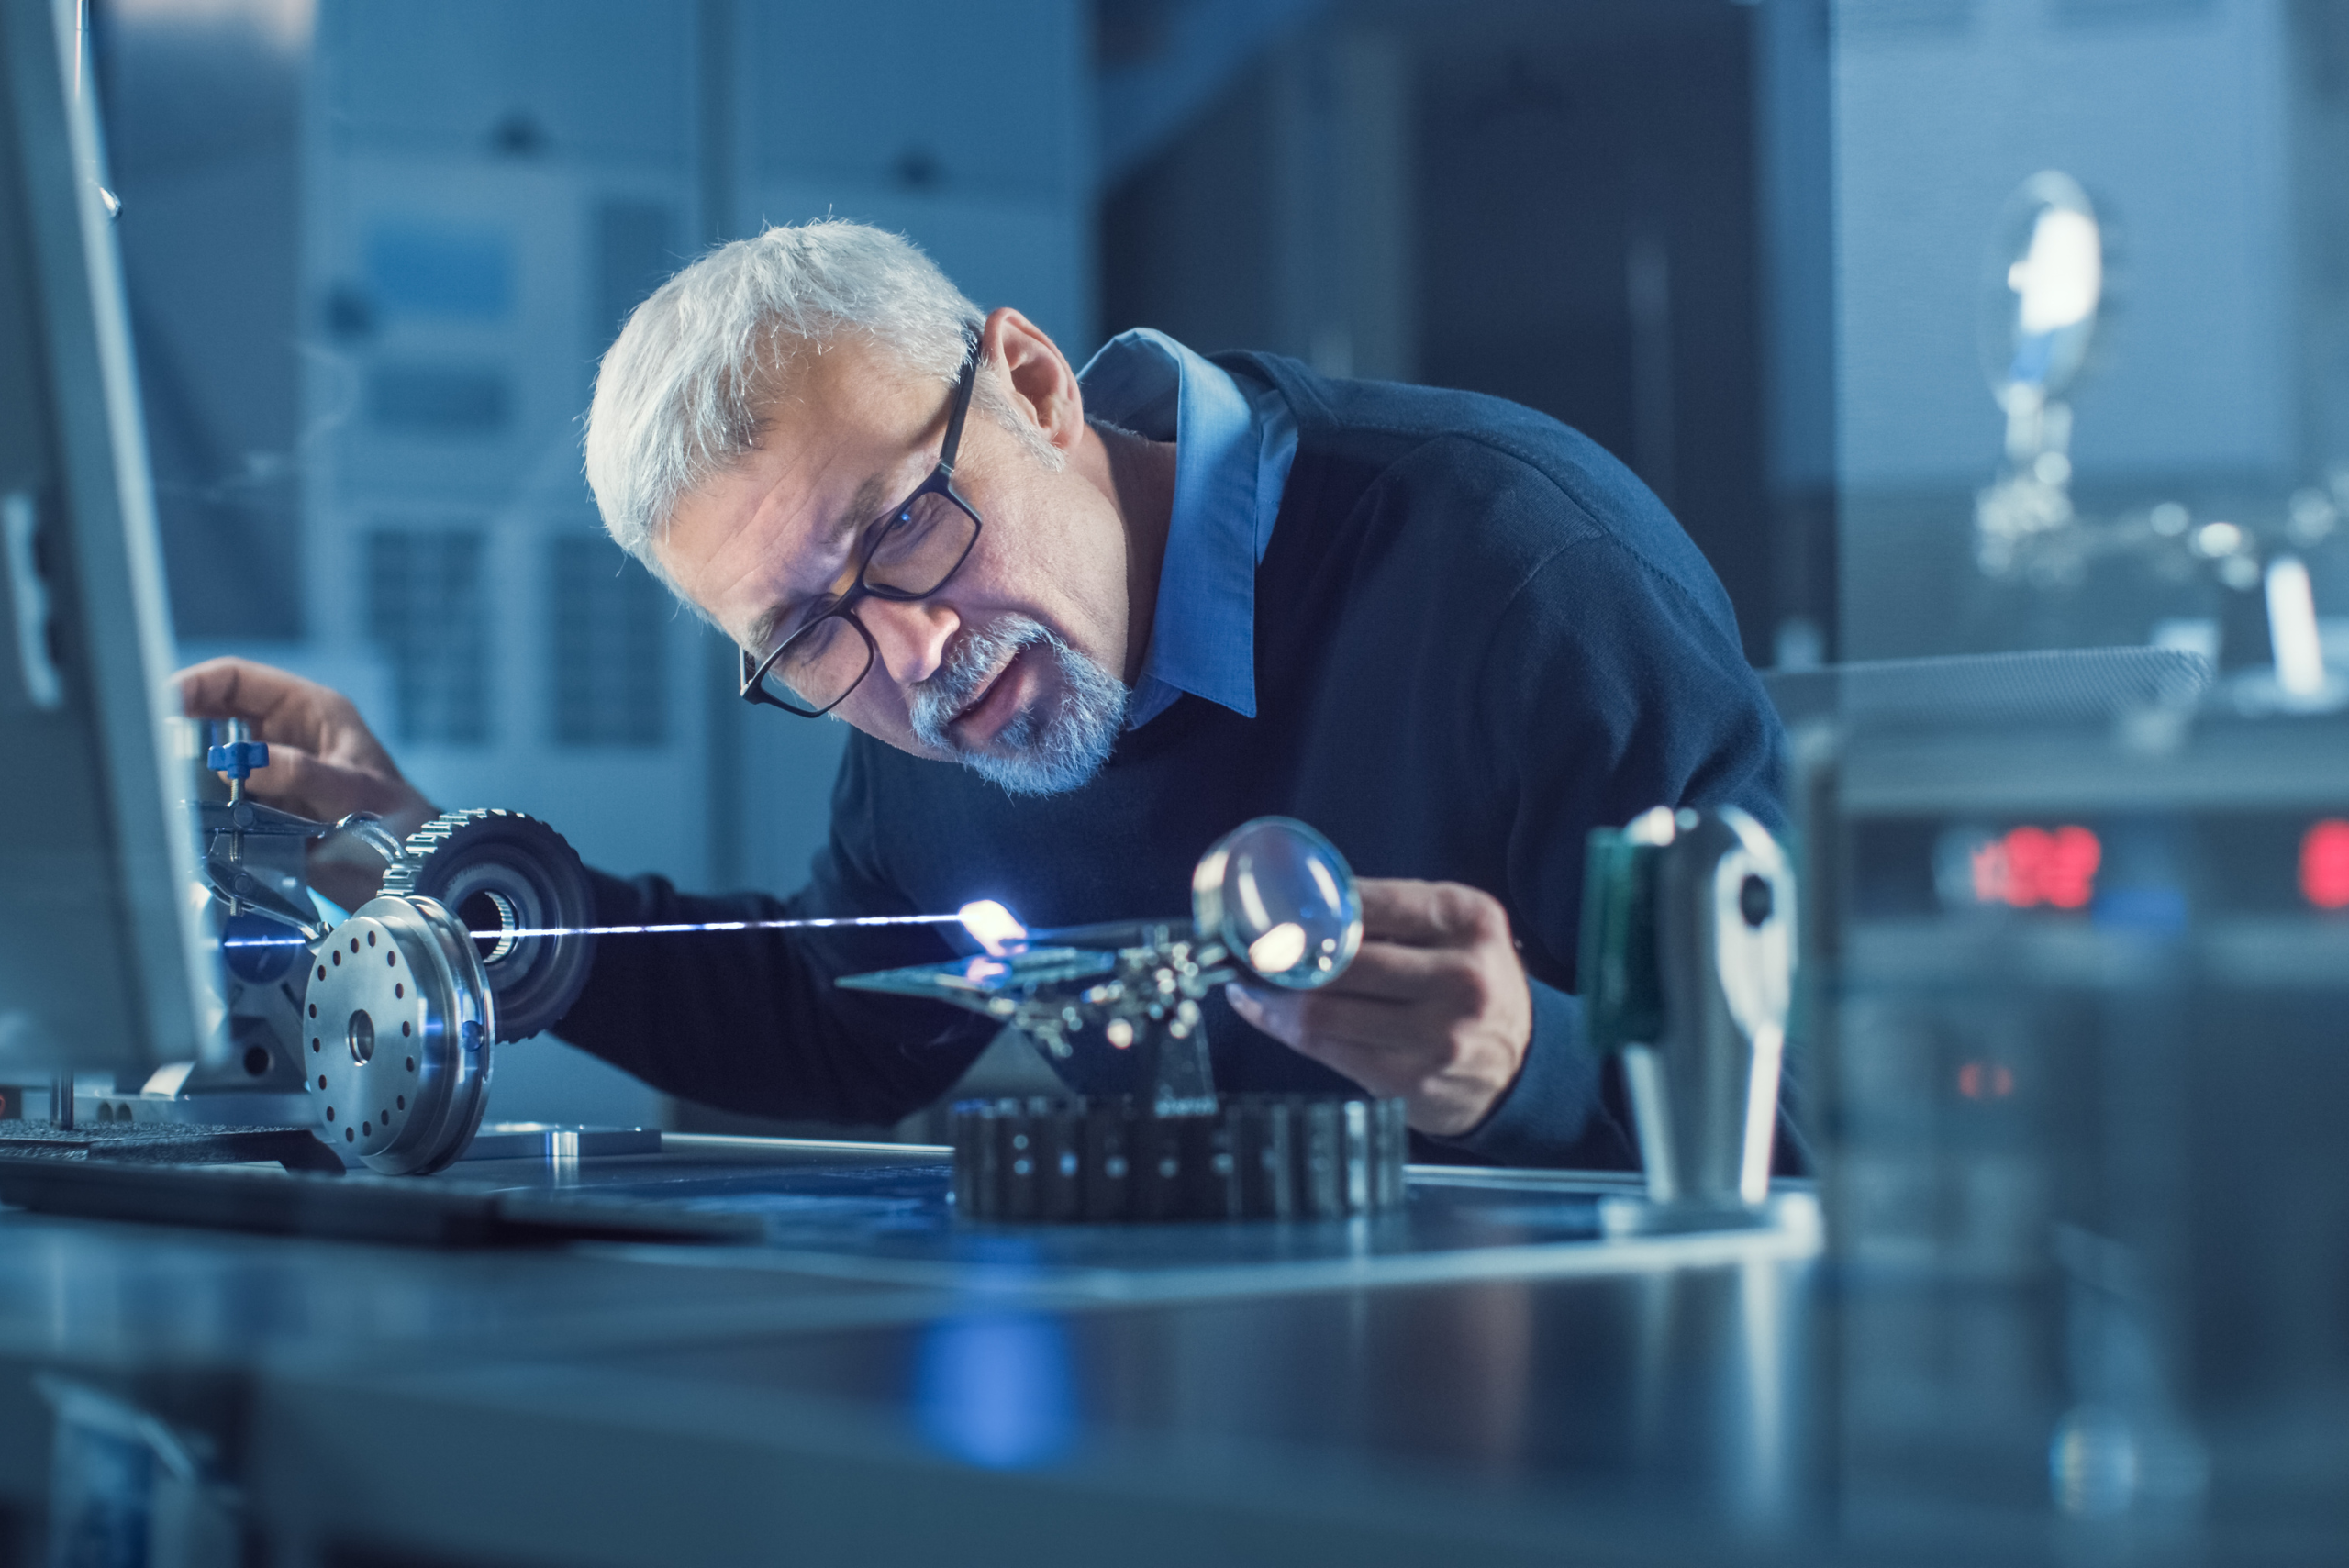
237,758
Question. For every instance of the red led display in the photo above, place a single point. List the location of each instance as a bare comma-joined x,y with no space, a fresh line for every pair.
1985,1081
2324,864
2033,866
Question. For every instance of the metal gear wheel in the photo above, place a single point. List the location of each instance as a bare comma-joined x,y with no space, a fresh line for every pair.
398,1023
501,872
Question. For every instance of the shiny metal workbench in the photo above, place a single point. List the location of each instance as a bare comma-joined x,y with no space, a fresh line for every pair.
1481,1375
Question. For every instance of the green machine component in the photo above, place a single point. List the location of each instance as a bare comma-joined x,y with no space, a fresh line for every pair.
1623,992
1686,965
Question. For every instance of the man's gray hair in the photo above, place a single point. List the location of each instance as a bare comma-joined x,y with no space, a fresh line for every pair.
680,394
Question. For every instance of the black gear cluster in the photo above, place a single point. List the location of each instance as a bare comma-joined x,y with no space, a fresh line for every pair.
1111,1160
501,872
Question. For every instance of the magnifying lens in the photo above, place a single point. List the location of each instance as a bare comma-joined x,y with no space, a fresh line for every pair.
1281,901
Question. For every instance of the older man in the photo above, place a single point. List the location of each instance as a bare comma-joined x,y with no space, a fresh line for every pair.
1087,631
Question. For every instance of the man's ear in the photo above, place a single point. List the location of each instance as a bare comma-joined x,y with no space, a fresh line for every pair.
1041,384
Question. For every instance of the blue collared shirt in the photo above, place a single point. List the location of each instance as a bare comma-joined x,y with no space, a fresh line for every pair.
1233,446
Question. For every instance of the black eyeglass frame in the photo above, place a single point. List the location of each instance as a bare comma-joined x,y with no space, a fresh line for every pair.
940,482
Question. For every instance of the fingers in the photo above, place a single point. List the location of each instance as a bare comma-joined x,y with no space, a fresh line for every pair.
1430,914
1299,1018
310,786
1414,1006
324,763
1282,1018
239,688
1390,971
283,709
1282,1015
1434,1008
1389,1048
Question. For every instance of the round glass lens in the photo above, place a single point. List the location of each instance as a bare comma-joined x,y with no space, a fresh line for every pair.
1282,899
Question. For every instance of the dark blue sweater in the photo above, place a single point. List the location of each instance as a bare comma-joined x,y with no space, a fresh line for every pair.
1477,637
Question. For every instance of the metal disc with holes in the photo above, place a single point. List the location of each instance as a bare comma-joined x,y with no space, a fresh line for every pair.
500,872
398,1028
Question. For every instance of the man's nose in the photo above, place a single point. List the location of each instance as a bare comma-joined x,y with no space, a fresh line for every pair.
911,635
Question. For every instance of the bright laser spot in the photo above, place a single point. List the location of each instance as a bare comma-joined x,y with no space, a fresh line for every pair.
991,925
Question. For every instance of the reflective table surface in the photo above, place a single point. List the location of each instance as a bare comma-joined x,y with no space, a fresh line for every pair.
1482,1377
883,1212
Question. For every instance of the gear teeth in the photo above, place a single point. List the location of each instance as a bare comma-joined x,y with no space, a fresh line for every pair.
537,878
418,846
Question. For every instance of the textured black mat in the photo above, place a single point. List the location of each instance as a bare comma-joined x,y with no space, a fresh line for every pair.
408,1211
169,1143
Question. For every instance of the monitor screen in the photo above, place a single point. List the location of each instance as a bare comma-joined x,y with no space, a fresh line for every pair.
102,964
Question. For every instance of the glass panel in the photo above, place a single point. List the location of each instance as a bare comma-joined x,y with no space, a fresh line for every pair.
2089,309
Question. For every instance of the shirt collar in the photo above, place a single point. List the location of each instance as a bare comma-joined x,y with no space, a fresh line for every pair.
1203,634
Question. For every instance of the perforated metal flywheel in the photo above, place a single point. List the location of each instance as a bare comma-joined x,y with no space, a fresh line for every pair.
397,1025
500,872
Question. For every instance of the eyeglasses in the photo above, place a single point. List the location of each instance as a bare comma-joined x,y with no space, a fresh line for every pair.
911,551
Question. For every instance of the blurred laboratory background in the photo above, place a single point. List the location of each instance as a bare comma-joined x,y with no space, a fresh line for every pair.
1759,250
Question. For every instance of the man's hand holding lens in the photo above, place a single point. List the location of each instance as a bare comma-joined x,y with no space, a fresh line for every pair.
1435,1010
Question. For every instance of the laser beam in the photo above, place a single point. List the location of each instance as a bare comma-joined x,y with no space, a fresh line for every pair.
679,927
687,926
986,920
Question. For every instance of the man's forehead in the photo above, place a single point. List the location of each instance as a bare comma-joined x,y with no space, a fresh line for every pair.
845,379
815,549
832,447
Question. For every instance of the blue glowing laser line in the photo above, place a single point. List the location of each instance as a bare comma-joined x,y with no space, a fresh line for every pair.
679,928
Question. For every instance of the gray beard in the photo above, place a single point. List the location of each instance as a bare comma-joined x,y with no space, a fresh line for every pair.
1056,745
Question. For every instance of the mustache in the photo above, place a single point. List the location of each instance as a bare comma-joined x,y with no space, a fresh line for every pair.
1057,743
976,658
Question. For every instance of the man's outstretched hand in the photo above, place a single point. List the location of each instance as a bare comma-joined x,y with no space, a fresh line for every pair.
1435,1009
324,763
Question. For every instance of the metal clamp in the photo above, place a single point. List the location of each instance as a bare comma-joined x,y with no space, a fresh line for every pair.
369,829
